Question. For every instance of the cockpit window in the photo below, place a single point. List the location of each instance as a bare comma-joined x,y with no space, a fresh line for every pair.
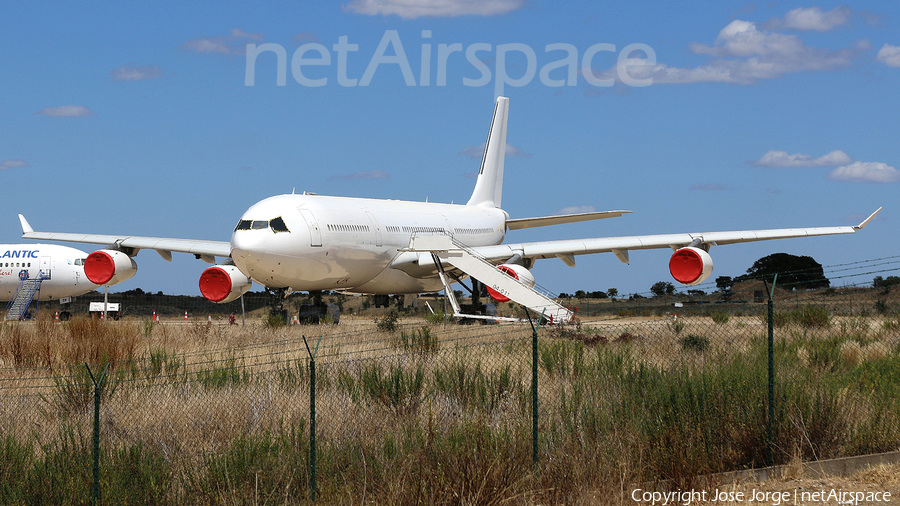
278,225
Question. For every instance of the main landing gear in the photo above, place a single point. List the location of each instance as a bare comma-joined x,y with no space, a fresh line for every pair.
314,313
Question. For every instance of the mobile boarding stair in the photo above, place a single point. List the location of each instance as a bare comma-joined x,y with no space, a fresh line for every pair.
447,250
25,294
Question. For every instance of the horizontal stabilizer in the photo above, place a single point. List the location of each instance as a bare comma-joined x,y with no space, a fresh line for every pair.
519,223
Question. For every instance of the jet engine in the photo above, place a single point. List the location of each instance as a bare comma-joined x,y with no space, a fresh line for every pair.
109,267
223,283
516,271
690,266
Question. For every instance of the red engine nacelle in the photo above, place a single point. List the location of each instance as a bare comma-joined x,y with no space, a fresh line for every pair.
516,271
109,267
223,283
690,266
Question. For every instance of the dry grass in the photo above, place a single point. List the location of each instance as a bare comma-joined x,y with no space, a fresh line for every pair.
191,392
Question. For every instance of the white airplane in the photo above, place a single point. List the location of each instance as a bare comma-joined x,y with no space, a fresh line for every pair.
41,272
313,243
60,268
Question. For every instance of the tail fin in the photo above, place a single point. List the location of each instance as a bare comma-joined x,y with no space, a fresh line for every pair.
489,186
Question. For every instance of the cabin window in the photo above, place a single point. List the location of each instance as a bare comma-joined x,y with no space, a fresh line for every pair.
259,225
278,225
243,225
79,261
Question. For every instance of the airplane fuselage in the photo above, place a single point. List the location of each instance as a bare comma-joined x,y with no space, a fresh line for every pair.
312,242
63,265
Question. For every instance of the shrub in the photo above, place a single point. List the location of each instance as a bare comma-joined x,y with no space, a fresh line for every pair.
694,342
810,316
419,341
720,317
436,317
388,323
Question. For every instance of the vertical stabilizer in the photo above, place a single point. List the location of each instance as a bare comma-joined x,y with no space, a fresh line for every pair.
489,186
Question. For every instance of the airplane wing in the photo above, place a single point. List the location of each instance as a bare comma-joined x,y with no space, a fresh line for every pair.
206,250
519,223
566,249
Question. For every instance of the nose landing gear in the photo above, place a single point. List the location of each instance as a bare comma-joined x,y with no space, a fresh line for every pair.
276,303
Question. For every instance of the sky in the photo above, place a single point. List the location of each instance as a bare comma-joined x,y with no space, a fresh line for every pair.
170,119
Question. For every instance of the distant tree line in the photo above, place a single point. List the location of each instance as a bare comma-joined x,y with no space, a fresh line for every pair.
582,294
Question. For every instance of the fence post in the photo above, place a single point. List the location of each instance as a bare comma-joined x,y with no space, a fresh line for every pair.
312,418
534,388
771,332
96,441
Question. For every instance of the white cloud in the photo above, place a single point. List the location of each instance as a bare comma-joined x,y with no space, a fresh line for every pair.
812,18
889,55
372,174
744,54
410,9
66,111
783,159
237,33
132,73
14,163
233,44
577,210
866,172
478,151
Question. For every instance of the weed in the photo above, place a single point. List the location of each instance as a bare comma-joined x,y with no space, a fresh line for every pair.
163,362
473,388
694,342
419,341
274,321
810,316
397,389
437,317
389,322
720,317
227,374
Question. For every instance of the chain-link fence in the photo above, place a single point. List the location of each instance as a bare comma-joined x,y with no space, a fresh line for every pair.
418,410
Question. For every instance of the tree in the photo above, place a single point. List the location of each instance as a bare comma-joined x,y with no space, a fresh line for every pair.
723,283
580,294
885,283
661,288
612,292
801,272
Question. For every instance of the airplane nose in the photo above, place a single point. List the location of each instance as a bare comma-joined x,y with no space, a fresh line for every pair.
246,245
